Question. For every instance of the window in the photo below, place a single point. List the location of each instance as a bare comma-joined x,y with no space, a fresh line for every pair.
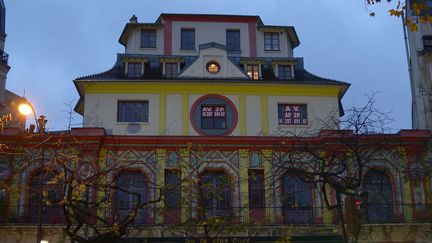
213,116
253,71
51,213
172,196
256,189
255,160
284,72
213,67
271,41
380,196
296,200
148,38
233,40
216,194
134,69
188,39
173,159
292,114
171,70
131,183
132,111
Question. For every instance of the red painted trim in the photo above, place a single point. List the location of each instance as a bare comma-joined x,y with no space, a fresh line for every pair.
231,19
252,39
167,36
198,101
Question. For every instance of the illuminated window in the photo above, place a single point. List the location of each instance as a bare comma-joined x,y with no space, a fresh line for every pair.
213,67
188,39
134,69
132,111
148,38
271,41
213,116
253,71
292,114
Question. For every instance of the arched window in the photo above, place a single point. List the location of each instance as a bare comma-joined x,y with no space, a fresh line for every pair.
296,200
44,208
216,199
380,198
129,186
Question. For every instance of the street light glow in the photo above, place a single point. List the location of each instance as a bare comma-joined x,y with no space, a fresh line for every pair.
43,241
25,109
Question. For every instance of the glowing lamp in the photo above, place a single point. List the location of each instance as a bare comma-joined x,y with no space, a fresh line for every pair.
25,109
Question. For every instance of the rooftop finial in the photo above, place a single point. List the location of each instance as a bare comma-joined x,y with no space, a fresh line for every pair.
133,20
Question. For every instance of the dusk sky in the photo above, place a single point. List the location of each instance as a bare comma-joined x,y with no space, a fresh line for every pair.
52,42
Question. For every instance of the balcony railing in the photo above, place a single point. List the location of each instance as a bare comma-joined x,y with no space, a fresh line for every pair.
302,216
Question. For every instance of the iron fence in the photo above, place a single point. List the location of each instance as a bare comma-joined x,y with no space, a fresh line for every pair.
301,216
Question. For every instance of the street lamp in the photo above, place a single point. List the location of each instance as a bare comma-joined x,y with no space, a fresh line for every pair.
27,108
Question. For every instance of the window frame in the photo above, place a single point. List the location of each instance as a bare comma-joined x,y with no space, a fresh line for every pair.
286,71
233,43
136,71
128,199
146,40
123,117
271,41
213,118
301,118
251,72
186,43
258,191
171,74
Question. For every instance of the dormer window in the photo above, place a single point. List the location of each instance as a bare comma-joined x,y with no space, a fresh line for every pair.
171,70
253,71
134,69
285,72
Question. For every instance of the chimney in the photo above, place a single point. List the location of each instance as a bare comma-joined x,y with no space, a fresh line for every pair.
133,20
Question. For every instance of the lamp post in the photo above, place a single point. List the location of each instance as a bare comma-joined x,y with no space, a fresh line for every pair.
27,108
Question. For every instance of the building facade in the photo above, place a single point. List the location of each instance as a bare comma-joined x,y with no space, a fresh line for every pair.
419,45
215,115
9,101
178,69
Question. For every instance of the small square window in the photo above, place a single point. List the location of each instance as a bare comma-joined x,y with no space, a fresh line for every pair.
148,38
171,70
253,71
173,159
134,69
188,39
284,72
213,117
255,160
271,41
292,114
233,40
132,111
